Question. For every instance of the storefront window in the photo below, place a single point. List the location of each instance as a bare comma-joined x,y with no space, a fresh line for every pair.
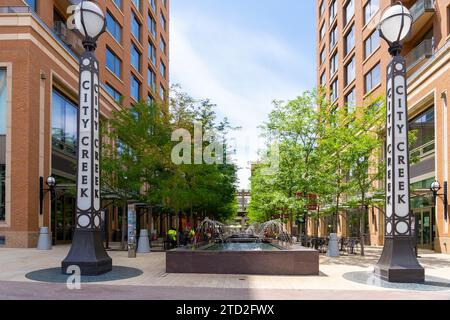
2,101
64,124
3,109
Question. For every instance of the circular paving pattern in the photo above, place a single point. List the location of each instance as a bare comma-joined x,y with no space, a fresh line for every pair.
54,275
369,278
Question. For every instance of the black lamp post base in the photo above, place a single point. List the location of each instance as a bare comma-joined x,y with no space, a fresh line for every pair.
398,262
87,252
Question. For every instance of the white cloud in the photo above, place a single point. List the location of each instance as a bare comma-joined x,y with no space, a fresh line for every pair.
240,69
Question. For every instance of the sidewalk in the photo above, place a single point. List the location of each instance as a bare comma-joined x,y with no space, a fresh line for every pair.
154,283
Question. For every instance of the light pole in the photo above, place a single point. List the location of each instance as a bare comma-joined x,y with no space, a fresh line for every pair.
435,188
398,263
87,251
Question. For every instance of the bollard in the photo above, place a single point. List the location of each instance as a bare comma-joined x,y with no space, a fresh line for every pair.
144,242
333,246
44,241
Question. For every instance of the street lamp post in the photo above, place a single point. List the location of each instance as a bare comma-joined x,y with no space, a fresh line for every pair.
435,188
398,263
87,251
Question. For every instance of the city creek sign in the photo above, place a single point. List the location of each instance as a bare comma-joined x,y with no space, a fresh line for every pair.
88,191
397,157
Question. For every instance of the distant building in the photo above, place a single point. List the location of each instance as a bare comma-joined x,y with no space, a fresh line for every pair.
243,198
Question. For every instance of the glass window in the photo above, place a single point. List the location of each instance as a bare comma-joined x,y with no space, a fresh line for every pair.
333,11
137,4
322,8
135,27
334,90
152,4
164,3
162,45
151,25
3,105
322,56
334,64
112,92
370,9
350,100
113,63
113,27
118,3
151,101
3,117
322,31
350,40
32,4
162,92
64,123
135,58
423,126
163,21
371,44
323,78
152,53
333,37
349,11
350,71
162,69
151,80
372,78
2,192
134,88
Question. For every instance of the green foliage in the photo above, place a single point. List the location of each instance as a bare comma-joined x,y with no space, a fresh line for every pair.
136,158
323,150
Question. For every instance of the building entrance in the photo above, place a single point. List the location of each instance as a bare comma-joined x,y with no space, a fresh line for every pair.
425,227
63,214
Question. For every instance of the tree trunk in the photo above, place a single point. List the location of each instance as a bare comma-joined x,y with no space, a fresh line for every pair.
337,213
362,225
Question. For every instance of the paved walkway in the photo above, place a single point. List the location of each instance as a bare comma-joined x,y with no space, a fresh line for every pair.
154,283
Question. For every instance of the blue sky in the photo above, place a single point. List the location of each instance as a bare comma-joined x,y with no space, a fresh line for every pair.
243,54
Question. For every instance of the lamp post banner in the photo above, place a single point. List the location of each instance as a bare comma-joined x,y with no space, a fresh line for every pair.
398,219
88,182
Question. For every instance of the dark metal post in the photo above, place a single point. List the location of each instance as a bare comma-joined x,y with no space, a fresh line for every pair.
87,251
398,262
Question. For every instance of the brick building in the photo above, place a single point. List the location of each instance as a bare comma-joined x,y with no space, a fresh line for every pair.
351,65
38,101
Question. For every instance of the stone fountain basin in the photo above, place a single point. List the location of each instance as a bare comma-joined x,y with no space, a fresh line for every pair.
269,259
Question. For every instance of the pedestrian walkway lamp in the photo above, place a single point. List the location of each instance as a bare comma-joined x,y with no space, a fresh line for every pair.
87,251
435,188
398,262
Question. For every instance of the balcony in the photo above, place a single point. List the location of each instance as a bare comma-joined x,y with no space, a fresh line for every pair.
14,9
422,11
420,54
69,37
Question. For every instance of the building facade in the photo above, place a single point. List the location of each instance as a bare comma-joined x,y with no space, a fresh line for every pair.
351,66
38,101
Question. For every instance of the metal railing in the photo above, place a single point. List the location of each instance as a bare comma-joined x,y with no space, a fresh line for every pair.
424,50
424,150
420,7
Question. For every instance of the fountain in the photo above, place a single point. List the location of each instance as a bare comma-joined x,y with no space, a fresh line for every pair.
265,249
210,230
271,230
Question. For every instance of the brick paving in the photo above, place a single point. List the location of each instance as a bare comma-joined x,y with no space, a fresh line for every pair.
155,283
